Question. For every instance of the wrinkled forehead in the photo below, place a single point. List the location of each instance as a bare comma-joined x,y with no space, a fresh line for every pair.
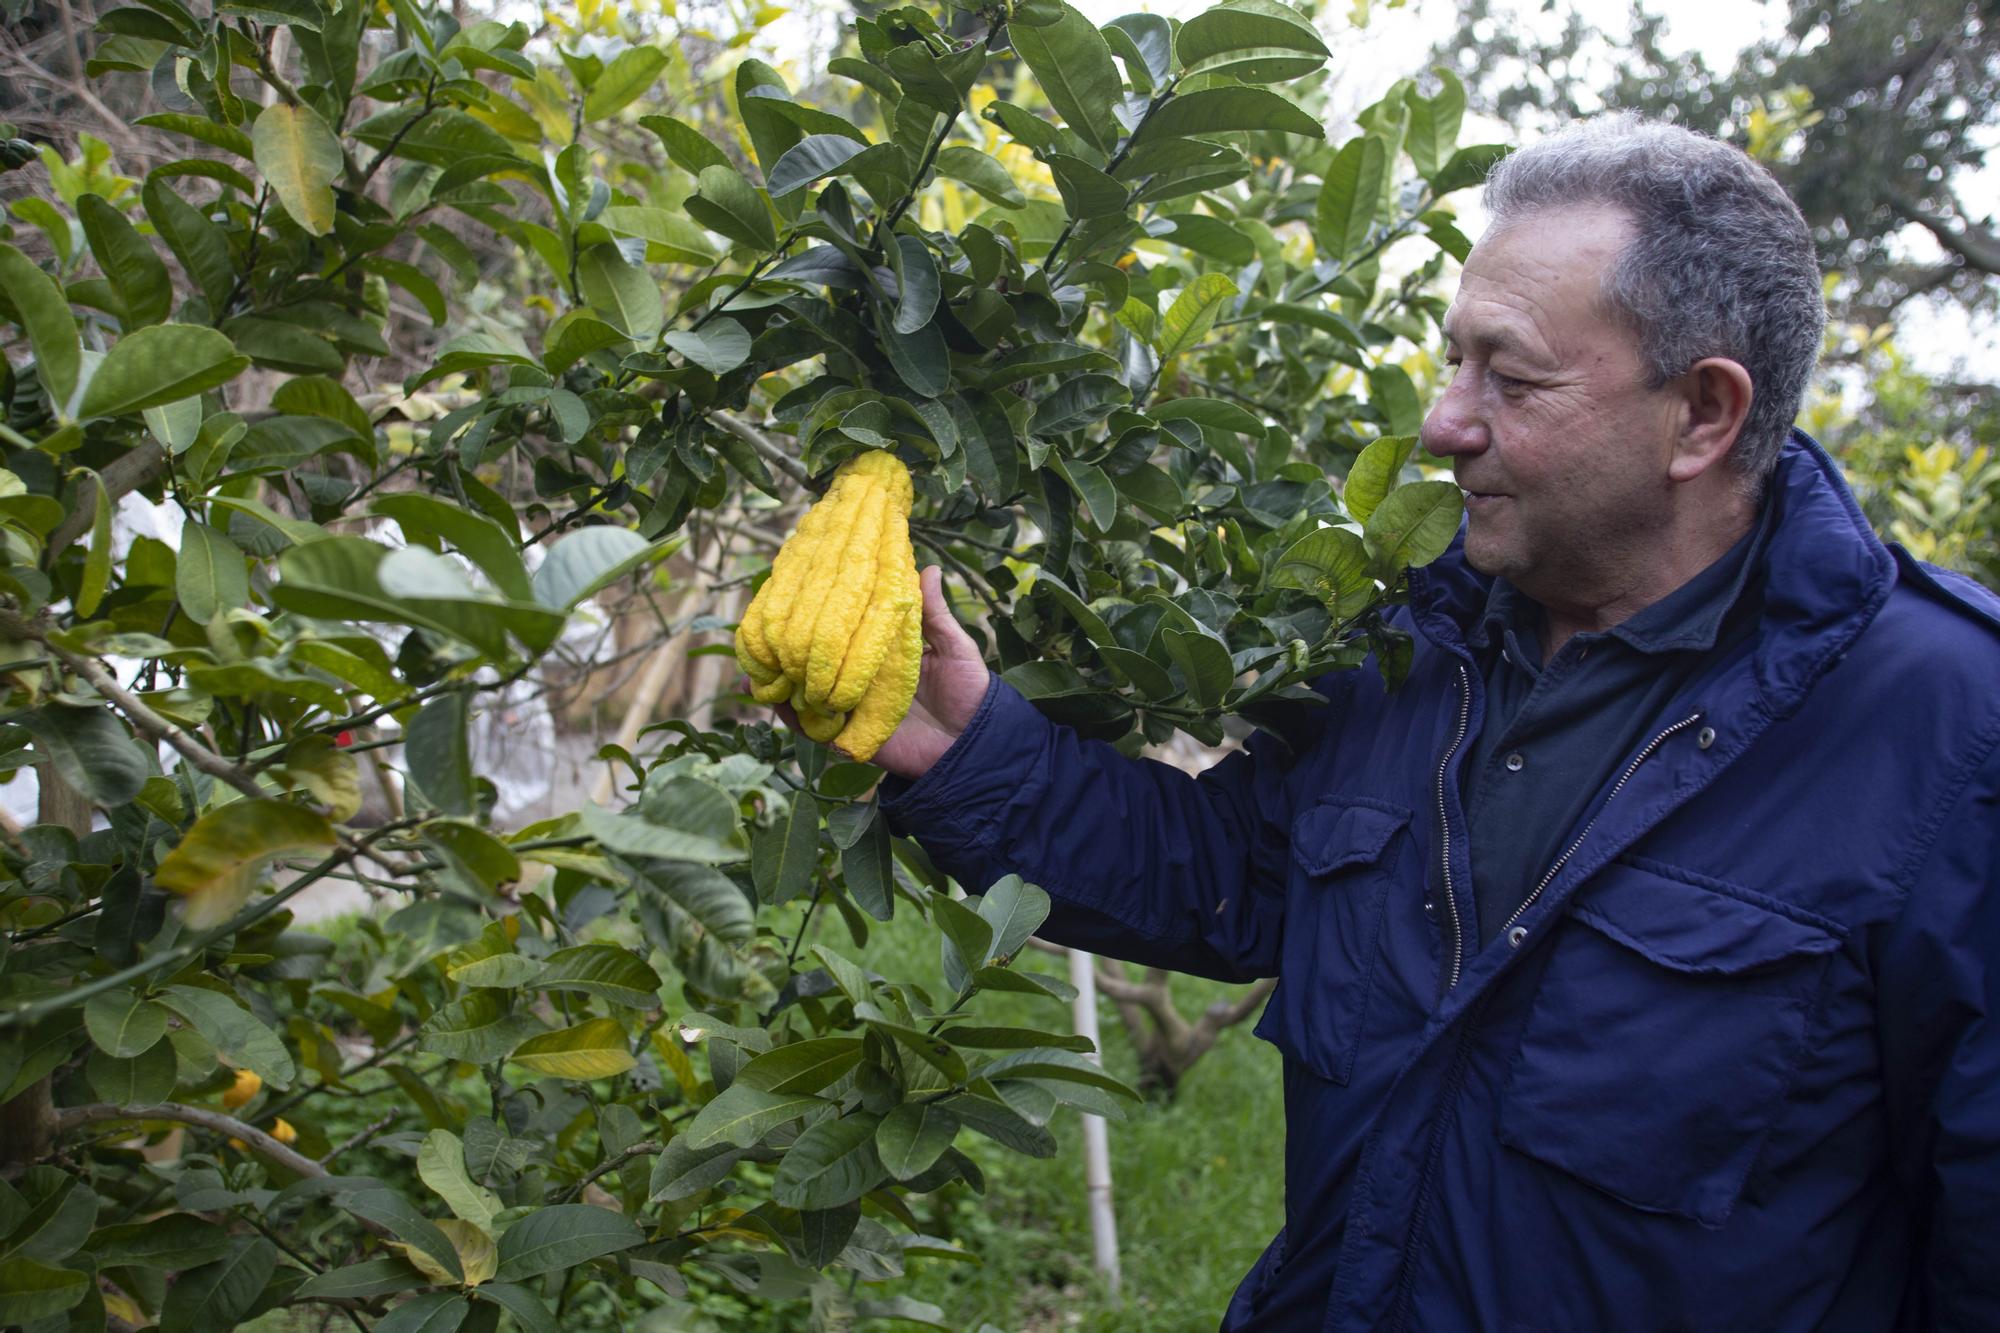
1539,281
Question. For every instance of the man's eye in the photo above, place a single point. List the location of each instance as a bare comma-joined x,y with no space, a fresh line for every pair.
1507,384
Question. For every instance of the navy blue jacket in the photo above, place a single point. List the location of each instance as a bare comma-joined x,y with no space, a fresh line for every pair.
1737,1064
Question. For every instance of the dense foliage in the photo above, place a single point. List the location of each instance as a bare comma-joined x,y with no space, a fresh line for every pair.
1107,291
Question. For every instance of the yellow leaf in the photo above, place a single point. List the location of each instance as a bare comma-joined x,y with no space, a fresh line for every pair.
476,1252
218,861
301,159
595,1049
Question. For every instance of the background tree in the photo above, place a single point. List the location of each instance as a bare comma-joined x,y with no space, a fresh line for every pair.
645,1052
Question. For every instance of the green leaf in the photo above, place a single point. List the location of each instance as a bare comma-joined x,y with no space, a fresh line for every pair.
441,1165
1349,198
371,1277
31,1291
868,867
913,1136
631,835
219,1294
687,147
604,970
1391,392
1192,314
1086,191
1204,662
832,1163
1064,1066
741,1115
300,158
439,753
1072,62
1468,166
201,246
475,536
59,1220
96,565
209,577
784,855
1375,473
92,751
710,897
432,1312
123,1024
44,312
1331,564
810,159
917,277
173,1241
160,364
623,293
630,73
1220,110
478,1028
573,336
1015,911
802,1067
1414,524
128,261
562,1236
731,206
401,1218
218,862
591,559
1255,42
1434,122
983,173
717,347
965,929
591,1050
527,1309
238,1034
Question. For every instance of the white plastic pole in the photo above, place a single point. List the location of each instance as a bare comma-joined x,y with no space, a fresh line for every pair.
1096,1146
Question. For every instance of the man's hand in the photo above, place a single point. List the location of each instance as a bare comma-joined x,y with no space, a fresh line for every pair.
952,683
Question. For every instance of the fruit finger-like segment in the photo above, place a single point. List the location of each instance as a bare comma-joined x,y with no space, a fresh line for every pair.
887,701
816,723
772,692
813,599
780,592
748,645
851,592
895,593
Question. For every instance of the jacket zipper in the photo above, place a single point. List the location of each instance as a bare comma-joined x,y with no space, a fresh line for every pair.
1616,787
1444,825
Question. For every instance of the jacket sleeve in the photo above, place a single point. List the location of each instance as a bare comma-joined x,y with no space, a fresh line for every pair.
1144,863
1939,1010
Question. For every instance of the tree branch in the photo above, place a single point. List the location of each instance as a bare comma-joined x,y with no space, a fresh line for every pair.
764,445
1976,246
72,1118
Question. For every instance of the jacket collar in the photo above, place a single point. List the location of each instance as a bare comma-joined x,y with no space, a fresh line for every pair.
1824,575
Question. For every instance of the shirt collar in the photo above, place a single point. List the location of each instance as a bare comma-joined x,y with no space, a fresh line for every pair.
1688,618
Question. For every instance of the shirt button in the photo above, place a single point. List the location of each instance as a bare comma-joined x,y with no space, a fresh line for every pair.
1515,936
1515,763
1705,737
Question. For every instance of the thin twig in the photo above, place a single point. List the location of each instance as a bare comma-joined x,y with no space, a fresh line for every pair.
764,445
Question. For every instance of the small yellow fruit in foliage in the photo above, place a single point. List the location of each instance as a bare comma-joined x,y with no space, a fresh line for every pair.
247,1085
837,627
282,1131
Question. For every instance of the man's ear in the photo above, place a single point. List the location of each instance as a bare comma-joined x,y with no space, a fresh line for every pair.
1717,394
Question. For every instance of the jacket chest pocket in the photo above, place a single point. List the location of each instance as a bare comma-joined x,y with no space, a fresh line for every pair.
1662,1040
1344,855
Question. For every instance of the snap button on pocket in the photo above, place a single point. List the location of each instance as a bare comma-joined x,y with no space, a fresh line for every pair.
1704,738
1515,936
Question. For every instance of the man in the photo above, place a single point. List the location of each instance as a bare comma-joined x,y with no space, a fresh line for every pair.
1638,960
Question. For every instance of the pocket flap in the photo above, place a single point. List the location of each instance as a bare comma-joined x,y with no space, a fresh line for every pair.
1344,831
1687,926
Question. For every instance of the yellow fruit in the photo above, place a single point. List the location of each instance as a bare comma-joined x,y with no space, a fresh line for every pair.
840,602
882,708
282,1131
247,1085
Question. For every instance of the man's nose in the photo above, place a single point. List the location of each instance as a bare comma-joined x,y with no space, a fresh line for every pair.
1454,424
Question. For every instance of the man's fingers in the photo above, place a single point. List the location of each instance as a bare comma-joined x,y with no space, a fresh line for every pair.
946,637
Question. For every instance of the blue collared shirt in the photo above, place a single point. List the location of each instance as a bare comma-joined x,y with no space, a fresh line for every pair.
1555,733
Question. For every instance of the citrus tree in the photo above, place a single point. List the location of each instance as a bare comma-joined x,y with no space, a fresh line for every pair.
1109,291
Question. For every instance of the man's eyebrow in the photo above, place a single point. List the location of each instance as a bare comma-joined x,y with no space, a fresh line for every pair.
1490,340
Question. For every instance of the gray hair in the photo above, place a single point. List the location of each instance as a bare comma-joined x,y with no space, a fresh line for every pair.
1721,263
